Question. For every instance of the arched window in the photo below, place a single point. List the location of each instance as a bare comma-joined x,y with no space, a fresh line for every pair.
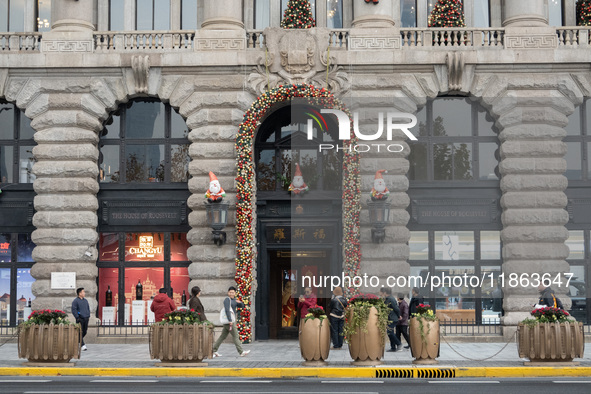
282,142
16,146
144,141
457,141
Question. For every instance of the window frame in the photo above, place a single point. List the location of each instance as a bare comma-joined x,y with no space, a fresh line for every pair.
17,143
119,140
584,140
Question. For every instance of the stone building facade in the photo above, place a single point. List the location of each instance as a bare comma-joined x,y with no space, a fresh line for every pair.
525,77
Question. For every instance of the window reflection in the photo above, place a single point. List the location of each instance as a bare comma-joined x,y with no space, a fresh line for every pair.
144,163
312,7
481,13
419,245
16,16
261,14
454,245
334,14
455,302
555,12
189,14
16,138
408,13
574,164
43,15
116,14
152,15
452,161
490,245
576,245
487,161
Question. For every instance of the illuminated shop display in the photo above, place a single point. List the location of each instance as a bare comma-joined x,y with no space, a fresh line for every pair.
132,269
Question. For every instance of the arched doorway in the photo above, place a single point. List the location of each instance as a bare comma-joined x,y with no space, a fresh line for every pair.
246,248
299,234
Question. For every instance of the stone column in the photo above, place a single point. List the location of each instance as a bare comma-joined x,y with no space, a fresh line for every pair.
223,16
371,15
533,202
70,15
524,13
72,24
66,202
526,25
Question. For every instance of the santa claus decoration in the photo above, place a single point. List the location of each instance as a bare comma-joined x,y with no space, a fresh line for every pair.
298,186
215,193
379,190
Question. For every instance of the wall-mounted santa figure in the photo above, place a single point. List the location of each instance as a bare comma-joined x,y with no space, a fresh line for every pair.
379,190
215,193
298,186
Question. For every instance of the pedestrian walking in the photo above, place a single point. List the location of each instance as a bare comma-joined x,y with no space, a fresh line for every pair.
393,317
402,326
195,303
336,317
161,305
228,319
81,312
416,299
547,298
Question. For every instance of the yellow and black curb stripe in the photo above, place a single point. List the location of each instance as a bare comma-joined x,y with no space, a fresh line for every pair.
324,372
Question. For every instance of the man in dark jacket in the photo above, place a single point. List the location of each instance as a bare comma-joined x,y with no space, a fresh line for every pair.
161,305
402,326
416,299
81,312
337,306
548,298
391,303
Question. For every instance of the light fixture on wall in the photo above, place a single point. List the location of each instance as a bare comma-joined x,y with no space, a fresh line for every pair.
379,212
217,218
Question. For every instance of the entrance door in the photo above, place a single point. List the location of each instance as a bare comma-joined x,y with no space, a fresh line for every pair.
287,269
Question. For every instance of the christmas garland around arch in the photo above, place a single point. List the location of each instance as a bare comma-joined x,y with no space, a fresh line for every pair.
245,178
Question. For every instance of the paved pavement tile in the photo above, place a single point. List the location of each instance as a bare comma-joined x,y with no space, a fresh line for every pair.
283,353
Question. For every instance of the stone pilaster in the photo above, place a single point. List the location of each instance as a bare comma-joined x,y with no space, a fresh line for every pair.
526,25
534,216
71,28
66,187
214,108
524,13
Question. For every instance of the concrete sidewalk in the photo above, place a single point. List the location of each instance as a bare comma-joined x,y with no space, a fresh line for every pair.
285,354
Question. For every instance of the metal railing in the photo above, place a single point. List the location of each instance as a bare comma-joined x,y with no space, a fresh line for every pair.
470,327
30,42
112,330
8,331
143,40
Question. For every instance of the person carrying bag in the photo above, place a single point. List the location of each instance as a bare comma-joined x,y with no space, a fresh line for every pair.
228,319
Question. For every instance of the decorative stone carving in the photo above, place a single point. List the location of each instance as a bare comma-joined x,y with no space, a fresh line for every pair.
3,77
533,41
372,42
67,46
140,66
455,70
298,57
211,44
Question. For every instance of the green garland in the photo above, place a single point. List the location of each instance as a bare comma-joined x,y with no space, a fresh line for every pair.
245,180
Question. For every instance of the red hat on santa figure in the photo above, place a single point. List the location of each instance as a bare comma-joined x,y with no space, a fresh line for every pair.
298,186
379,190
215,193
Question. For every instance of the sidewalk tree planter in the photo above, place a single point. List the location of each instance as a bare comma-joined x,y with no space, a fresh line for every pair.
550,337
365,329
182,337
48,337
315,337
424,335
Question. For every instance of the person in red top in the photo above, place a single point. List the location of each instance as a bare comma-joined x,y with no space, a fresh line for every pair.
161,305
306,301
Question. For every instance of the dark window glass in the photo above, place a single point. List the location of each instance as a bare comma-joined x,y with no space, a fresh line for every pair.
155,147
116,14
574,123
487,162
4,296
109,247
16,138
408,13
6,121
6,164
189,15
452,117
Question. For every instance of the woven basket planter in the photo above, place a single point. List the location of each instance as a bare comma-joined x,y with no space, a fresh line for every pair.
181,342
49,343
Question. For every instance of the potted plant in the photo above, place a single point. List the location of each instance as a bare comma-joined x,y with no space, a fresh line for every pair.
424,335
181,337
365,329
48,337
550,336
315,337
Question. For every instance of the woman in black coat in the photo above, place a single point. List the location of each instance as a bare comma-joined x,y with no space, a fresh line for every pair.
195,303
